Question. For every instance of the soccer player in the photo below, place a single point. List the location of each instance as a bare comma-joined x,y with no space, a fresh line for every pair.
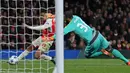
48,29
96,43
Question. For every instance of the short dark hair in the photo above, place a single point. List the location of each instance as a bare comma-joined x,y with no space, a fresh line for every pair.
68,14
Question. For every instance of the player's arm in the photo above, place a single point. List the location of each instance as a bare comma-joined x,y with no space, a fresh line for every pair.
47,24
70,27
67,29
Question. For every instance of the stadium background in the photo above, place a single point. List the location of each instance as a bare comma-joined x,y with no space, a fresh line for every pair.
110,17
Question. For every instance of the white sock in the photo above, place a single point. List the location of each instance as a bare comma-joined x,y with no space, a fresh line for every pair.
23,54
55,70
46,57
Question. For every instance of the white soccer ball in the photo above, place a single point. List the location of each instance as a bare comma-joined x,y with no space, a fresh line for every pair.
13,60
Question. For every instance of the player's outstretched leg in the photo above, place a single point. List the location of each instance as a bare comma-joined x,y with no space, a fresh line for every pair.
46,57
117,54
96,54
25,52
35,43
39,55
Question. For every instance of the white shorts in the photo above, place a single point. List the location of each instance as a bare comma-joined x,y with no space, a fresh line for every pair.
43,46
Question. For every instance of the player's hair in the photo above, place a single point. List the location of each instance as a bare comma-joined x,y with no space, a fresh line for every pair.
68,14
48,15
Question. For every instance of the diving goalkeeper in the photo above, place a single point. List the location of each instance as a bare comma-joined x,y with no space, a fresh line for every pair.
96,43
48,29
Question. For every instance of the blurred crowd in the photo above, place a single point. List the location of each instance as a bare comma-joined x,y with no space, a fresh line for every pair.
110,17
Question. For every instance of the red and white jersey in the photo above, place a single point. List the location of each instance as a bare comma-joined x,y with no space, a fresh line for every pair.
50,28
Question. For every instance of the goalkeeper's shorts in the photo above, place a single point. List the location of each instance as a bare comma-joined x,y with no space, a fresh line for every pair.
43,46
97,45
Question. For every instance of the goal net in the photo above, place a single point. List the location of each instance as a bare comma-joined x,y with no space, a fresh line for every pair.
15,38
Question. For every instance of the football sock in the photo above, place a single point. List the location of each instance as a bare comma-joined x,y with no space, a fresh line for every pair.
117,54
23,54
46,57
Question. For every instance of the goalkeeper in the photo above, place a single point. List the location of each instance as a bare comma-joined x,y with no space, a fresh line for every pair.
48,29
96,43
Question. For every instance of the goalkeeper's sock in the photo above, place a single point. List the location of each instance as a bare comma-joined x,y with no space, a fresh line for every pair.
23,54
96,54
117,54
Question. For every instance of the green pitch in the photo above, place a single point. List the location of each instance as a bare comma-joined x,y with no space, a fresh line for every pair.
71,66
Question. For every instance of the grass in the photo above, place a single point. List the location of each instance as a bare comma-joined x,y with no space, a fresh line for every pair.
71,66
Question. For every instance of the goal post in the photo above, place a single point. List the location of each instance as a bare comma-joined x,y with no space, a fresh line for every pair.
59,36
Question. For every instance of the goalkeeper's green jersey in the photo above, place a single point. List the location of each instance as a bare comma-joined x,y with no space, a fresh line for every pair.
78,26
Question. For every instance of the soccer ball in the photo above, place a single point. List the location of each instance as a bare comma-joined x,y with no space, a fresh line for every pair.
13,60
